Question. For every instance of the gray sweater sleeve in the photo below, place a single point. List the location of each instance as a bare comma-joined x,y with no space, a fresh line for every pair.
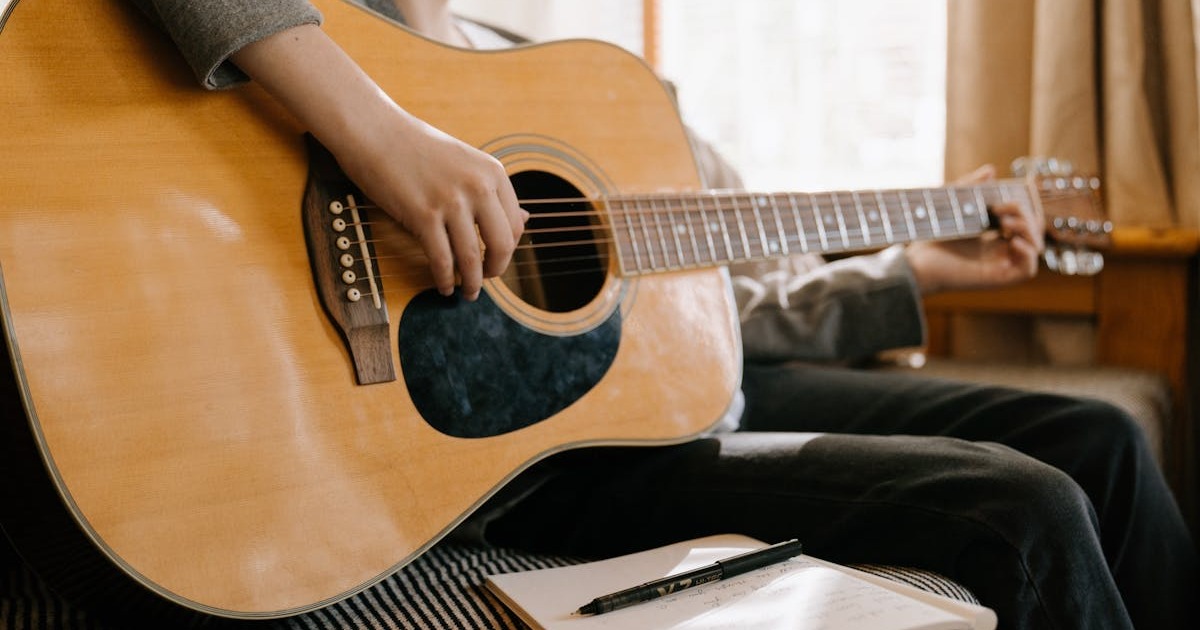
207,32
845,310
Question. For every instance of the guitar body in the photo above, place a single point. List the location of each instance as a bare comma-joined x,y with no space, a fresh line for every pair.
185,434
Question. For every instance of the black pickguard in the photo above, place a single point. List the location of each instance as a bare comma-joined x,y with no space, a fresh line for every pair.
473,372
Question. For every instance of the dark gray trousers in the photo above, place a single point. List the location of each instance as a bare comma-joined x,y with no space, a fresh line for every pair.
1050,509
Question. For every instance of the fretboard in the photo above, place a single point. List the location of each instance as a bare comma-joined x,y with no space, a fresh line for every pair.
668,232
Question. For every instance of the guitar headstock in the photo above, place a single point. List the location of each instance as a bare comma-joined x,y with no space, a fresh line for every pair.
1077,230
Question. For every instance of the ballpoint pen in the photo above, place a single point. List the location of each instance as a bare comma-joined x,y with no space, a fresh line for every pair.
719,570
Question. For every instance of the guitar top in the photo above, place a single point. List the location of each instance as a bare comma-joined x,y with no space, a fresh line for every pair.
186,412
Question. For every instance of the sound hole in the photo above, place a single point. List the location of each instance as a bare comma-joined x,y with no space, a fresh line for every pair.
561,263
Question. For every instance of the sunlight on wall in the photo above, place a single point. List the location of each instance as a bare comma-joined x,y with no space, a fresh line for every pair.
799,95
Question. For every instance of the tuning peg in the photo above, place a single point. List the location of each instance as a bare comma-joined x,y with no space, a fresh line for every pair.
1078,227
1072,261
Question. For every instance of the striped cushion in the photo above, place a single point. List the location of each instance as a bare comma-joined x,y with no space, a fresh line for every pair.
441,589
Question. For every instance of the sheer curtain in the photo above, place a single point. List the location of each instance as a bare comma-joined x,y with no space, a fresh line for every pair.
1108,84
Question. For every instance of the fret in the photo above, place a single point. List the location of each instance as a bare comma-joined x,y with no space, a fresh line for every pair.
863,225
741,226
820,244
851,220
671,229
886,216
708,229
657,225
675,231
645,233
947,225
724,228
626,215
820,220
873,220
768,246
841,220
799,223
982,205
888,234
958,214
691,231
779,225
933,215
969,209
908,216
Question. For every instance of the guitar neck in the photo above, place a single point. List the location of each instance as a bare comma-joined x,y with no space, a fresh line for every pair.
669,232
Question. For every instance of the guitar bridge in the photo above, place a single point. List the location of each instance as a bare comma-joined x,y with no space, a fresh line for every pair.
343,263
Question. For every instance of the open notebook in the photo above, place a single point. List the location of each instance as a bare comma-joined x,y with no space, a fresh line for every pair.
803,593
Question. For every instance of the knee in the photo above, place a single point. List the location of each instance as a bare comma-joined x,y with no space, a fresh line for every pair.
1108,422
1018,496
1106,435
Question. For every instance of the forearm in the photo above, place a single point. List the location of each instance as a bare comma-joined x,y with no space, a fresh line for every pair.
314,79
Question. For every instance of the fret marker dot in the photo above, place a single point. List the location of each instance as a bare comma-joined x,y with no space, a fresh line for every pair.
920,212
829,219
969,208
773,246
713,227
681,229
873,216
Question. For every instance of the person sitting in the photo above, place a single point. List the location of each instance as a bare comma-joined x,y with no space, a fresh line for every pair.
1049,508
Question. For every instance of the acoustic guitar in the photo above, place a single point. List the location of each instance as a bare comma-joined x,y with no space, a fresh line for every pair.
229,389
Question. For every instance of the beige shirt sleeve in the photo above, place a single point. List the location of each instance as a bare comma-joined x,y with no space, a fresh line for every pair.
802,308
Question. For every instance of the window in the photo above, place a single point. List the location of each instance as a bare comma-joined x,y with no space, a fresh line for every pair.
799,95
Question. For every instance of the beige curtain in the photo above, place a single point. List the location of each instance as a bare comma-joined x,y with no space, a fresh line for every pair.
1109,84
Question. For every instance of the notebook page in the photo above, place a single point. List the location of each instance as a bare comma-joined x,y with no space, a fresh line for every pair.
802,593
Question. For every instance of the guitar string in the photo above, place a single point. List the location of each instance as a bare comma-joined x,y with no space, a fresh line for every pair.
877,233
717,257
689,223
684,209
684,201
1013,184
688,211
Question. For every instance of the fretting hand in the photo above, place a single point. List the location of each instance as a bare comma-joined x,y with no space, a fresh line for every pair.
1006,255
